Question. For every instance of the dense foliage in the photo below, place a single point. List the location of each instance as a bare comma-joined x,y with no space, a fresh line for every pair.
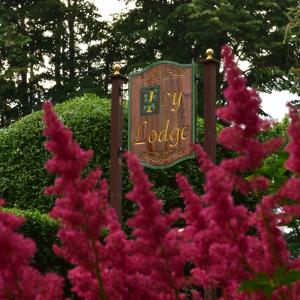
42,229
241,254
155,27
49,49
22,155
57,49
292,35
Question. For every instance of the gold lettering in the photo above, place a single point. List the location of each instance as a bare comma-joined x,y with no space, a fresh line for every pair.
176,100
163,133
163,99
176,138
152,136
184,133
137,142
149,109
173,136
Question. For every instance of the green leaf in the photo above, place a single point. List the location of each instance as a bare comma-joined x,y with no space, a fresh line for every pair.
265,284
261,283
286,277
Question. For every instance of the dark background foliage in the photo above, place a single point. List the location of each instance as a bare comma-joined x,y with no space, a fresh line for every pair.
22,154
55,49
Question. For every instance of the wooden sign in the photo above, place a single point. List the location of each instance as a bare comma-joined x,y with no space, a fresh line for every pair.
162,113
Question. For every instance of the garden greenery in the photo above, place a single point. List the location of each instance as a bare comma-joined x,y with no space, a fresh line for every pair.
22,155
223,246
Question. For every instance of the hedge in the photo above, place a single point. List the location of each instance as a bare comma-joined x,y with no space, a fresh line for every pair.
22,154
42,229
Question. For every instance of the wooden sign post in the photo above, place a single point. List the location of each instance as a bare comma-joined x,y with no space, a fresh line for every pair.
209,80
210,137
162,113
117,81
162,118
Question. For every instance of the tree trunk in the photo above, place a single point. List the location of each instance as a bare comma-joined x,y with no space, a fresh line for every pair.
23,86
89,62
71,23
57,58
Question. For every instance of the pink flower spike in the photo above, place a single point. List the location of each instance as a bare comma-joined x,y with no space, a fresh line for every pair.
18,280
293,148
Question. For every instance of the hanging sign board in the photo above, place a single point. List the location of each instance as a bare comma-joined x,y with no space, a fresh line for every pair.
162,113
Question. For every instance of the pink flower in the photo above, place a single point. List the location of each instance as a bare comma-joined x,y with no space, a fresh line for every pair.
216,242
157,245
217,232
150,266
293,148
242,112
221,246
18,280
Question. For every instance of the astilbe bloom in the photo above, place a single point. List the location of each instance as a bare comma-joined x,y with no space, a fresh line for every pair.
241,112
280,209
216,242
293,148
84,214
288,196
286,203
217,231
148,266
18,280
158,248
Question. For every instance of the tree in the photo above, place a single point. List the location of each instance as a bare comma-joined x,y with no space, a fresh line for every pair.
23,56
181,30
292,36
18,59
92,33
49,49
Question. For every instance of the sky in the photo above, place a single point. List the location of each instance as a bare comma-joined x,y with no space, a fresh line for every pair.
273,104
109,7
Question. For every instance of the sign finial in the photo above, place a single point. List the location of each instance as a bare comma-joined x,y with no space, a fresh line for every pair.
117,68
209,53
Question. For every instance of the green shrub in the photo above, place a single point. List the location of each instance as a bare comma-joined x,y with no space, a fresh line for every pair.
272,167
42,229
22,155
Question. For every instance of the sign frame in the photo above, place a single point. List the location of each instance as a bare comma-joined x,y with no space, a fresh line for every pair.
194,98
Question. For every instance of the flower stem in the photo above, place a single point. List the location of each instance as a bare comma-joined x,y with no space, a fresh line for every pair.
102,293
